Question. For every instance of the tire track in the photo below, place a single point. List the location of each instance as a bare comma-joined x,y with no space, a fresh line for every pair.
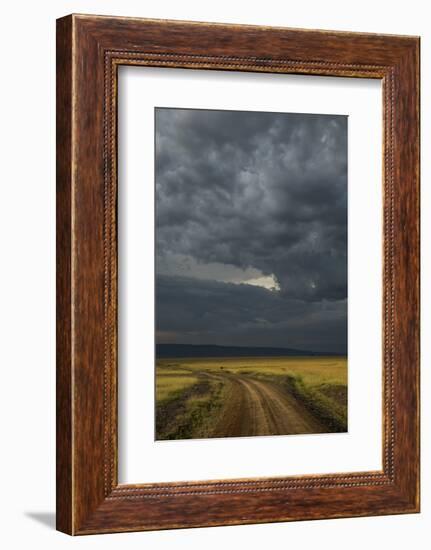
258,407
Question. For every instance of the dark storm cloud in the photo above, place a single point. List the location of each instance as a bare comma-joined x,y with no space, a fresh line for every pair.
255,190
199,312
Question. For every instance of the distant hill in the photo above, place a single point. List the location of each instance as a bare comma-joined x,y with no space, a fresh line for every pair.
188,350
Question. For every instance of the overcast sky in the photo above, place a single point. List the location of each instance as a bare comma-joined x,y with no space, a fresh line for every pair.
251,229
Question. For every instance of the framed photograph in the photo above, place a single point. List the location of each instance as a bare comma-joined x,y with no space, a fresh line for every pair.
237,274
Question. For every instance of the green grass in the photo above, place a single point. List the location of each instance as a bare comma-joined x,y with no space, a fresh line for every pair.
326,401
186,403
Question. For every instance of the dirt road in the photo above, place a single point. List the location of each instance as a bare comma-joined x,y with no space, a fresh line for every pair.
257,407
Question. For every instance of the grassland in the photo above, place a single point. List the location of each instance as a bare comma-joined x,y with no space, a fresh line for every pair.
222,397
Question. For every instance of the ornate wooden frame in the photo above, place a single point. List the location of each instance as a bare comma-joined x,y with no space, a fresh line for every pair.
89,51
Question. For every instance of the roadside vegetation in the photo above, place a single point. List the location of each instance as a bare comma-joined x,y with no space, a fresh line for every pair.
186,403
192,395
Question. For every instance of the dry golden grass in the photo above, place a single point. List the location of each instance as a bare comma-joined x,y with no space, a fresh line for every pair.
314,371
170,383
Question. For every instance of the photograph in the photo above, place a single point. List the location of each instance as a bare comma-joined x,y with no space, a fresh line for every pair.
212,304
250,273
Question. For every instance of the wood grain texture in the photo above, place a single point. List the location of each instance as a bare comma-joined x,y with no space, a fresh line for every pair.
90,49
64,495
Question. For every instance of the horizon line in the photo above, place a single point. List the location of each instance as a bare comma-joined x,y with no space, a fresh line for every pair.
255,347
